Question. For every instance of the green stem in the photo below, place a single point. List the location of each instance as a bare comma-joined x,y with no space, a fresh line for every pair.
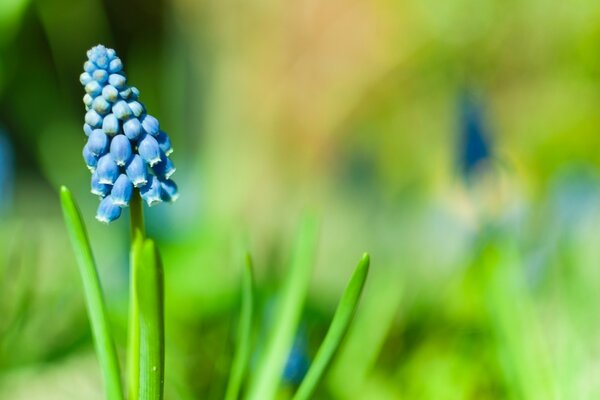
133,346
152,345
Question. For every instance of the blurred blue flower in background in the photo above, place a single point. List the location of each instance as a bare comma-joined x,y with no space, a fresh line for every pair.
473,141
298,360
6,174
125,147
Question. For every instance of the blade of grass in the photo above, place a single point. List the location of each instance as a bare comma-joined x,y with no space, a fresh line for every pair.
266,381
242,352
94,299
150,301
337,330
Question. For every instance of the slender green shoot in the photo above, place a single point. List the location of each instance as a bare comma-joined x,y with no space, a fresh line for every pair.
337,330
242,351
291,300
151,308
133,340
94,299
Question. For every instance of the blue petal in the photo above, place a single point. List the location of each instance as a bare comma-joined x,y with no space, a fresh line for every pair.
152,192
135,92
107,210
107,169
150,124
120,149
110,125
99,189
122,191
137,171
97,142
149,150
132,129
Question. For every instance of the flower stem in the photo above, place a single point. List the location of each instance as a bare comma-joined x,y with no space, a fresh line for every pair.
133,345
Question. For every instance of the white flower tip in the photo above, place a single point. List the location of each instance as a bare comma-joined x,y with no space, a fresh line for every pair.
103,219
105,181
154,161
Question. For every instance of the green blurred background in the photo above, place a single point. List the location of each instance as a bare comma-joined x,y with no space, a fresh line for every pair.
458,142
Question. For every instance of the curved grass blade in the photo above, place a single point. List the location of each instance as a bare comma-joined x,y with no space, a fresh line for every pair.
268,376
242,352
150,302
94,299
337,330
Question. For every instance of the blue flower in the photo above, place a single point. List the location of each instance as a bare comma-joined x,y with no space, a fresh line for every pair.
126,148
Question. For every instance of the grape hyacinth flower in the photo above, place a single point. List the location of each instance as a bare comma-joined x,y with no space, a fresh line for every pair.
126,151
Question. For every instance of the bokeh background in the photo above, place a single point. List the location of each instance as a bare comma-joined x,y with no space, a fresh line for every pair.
458,142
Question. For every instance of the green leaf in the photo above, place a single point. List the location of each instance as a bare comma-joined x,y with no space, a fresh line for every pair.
151,308
337,330
242,352
94,299
266,381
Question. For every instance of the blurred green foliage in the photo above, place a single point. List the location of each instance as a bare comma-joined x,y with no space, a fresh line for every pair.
481,288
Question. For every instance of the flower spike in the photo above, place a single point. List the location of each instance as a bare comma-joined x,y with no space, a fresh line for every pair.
125,148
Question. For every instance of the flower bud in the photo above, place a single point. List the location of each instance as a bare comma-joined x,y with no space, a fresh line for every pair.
108,211
150,124
164,143
107,169
85,78
110,125
169,192
97,142
93,88
110,93
93,119
122,191
137,171
115,66
100,105
136,108
118,81
90,159
121,110
164,169
132,129
100,75
87,129
97,188
120,150
152,191
149,150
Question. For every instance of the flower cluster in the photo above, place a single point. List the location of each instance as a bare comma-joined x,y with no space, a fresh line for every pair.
125,148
